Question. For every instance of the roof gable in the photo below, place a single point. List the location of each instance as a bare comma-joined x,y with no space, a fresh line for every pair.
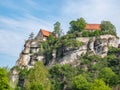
46,33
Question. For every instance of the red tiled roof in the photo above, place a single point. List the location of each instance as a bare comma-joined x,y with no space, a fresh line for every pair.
92,27
46,33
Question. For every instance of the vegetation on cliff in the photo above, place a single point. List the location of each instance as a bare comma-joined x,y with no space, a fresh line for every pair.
77,29
93,73
58,46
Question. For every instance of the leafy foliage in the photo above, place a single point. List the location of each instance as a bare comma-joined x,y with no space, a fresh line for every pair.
80,83
77,25
22,76
108,76
61,75
107,26
96,33
4,82
57,29
99,85
37,78
36,86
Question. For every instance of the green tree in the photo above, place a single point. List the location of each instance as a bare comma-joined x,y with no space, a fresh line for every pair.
85,34
37,78
22,75
107,26
51,40
99,85
31,36
97,33
36,86
107,75
57,29
77,25
61,76
4,83
80,83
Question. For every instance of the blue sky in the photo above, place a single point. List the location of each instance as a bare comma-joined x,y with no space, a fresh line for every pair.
18,18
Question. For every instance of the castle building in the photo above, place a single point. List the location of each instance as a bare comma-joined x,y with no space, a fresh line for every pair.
92,27
43,35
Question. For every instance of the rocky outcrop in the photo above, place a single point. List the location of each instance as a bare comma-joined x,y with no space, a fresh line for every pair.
92,45
99,45
73,56
14,78
25,55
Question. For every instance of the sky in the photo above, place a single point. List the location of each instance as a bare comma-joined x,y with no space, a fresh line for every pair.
18,18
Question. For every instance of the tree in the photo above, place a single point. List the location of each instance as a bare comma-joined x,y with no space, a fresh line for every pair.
51,40
36,86
80,83
99,85
61,76
85,34
22,75
31,36
77,25
4,83
107,26
57,29
37,78
107,75
97,33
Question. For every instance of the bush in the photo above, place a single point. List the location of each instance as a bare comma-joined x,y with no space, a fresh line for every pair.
107,75
99,85
4,83
80,83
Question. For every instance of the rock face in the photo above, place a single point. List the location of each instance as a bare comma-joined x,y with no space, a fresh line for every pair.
25,55
93,45
14,78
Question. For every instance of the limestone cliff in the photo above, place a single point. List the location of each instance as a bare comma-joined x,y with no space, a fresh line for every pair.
92,45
